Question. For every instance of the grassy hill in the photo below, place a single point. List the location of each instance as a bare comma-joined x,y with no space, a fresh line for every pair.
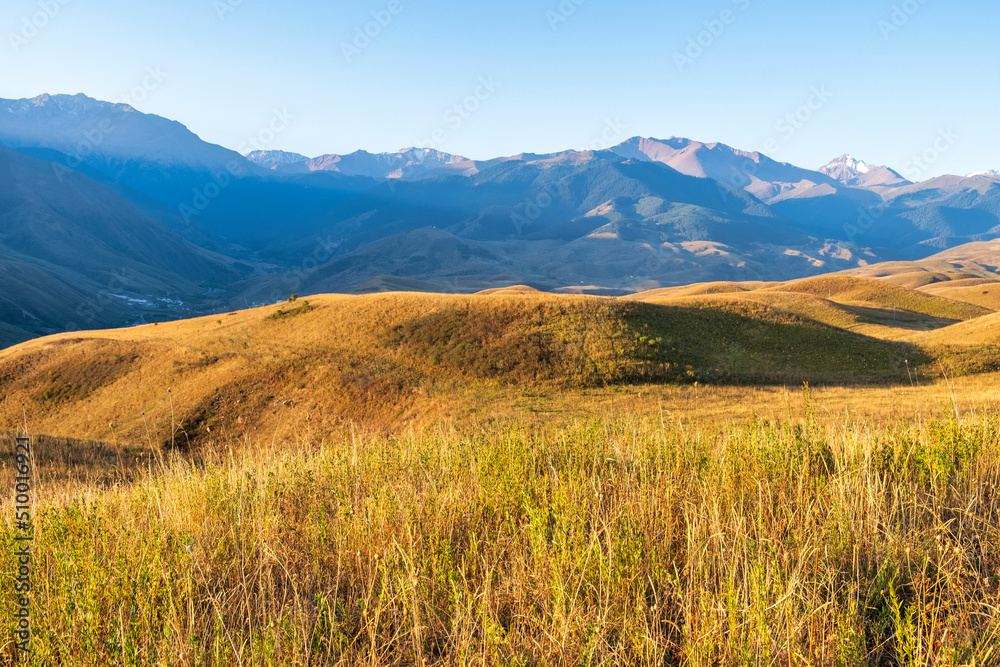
883,295
980,331
861,305
978,291
397,358
323,508
970,261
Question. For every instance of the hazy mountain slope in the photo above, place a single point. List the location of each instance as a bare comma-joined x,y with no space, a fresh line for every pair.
145,152
209,193
70,220
40,299
518,200
949,210
77,252
844,199
113,134
424,259
559,221
758,174
408,164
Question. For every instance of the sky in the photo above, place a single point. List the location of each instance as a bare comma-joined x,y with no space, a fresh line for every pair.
908,83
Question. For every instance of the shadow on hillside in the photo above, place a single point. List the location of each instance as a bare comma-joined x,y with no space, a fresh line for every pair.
604,342
899,319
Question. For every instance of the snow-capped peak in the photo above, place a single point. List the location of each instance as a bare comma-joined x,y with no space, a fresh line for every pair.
989,173
847,163
859,166
273,159
857,173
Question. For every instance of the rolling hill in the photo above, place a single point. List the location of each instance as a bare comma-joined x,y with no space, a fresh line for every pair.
865,306
966,273
397,358
981,332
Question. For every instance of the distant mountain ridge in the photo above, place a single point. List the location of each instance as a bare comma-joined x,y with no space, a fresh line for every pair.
406,164
106,134
217,227
274,159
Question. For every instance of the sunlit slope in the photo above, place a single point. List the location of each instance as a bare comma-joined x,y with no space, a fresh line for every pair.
395,359
872,293
978,291
965,262
513,289
699,289
983,331
861,305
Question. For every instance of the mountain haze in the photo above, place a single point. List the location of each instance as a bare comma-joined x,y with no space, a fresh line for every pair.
110,188
858,173
94,258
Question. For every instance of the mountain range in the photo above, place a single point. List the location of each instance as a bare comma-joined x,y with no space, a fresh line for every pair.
109,216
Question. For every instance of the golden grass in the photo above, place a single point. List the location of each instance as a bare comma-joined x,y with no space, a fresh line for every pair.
513,289
880,294
977,291
699,289
867,307
403,359
983,331
620,540
422,479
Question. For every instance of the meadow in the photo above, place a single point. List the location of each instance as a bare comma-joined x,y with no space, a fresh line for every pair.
530,480
803,541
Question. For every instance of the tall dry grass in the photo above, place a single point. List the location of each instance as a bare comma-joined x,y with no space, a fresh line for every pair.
627,540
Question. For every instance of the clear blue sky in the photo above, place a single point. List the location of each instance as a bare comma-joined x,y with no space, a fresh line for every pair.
227,65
